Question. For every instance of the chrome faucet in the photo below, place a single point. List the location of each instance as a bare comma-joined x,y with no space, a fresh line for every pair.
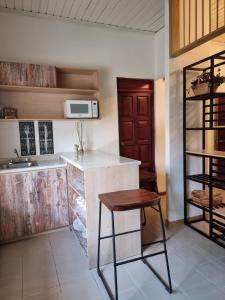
16,152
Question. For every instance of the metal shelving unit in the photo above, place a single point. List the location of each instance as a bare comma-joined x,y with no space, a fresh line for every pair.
210,222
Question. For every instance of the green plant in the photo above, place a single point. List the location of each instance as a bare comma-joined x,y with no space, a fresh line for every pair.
205,77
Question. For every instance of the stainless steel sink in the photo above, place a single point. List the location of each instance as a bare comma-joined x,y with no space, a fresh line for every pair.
18,163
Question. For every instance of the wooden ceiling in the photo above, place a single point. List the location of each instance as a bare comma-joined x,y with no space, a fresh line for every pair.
143,15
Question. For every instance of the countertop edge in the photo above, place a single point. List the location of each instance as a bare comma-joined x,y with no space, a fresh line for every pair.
30,169
82,168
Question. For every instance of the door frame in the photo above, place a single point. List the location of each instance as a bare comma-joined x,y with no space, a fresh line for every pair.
144,90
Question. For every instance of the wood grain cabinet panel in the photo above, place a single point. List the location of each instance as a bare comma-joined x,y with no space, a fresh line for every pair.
48,208
32,202
13,190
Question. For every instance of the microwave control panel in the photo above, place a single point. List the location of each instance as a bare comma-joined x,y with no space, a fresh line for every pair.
94,109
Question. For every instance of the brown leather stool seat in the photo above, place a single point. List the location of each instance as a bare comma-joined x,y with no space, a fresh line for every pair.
128,200
122,201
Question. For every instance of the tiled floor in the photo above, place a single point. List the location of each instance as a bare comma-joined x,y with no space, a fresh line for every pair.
53,267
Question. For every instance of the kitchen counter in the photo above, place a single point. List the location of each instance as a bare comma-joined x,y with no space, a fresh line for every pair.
84,161
96,159
49,163
89,175
83,177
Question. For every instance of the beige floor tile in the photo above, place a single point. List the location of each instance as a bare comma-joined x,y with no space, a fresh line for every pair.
11,252
11,289
34,266
156,290
132,294
70,270
197,287
37,284
48,294
83,288
123,277
214,272
11,269
139,273
67,252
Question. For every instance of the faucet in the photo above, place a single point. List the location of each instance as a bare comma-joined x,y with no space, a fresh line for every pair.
16,152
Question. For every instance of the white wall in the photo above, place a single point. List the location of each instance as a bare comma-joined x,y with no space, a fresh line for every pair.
160,134
159,46
115,53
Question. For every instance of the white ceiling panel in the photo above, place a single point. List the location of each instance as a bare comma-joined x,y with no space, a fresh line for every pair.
143,15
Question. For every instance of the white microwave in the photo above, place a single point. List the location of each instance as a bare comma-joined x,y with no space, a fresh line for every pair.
81,109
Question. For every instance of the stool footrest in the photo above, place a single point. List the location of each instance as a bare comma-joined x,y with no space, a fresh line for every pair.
139,258
118,234
168,288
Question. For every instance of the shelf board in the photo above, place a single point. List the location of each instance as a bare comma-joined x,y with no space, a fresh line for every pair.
46,119
30,89
206,96
206,128
205,179
219,154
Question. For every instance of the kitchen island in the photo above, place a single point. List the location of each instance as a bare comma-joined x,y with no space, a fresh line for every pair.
93,173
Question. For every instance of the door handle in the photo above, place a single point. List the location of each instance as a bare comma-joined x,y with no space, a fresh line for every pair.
122,144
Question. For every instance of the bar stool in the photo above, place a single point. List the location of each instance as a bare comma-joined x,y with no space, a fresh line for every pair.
124,201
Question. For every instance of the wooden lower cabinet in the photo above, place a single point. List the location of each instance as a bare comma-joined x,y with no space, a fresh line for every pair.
32,202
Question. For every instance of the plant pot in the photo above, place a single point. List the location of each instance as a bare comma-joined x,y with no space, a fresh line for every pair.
202,88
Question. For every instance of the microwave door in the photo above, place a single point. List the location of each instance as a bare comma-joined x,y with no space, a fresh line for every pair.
81,110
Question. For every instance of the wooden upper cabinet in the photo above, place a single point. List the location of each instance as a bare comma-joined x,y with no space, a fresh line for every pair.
33,202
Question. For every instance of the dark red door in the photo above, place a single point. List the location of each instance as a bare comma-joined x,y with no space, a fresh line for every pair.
220,137
221,122
136,126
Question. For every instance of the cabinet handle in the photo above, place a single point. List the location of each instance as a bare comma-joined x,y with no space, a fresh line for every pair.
31,197
38,196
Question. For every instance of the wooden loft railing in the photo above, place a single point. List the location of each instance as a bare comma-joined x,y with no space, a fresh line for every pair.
194,22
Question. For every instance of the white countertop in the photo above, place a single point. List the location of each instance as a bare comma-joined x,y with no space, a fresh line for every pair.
96,159
42,164
87,160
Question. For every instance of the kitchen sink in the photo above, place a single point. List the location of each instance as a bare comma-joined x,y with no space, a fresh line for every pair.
18,163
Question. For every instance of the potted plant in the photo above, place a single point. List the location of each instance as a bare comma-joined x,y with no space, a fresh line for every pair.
203,82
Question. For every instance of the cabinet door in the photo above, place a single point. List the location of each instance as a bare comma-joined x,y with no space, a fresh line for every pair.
48,209
57,192
15,190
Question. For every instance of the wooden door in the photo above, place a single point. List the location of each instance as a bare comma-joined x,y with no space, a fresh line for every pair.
136,126
220,137
220,141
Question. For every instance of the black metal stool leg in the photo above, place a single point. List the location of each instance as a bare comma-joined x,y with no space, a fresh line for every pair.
114,256
143,219
99,235
156,187
100,273
141,232
165,249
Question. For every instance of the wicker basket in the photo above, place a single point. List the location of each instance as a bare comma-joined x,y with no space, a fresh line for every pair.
202,88
202,197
